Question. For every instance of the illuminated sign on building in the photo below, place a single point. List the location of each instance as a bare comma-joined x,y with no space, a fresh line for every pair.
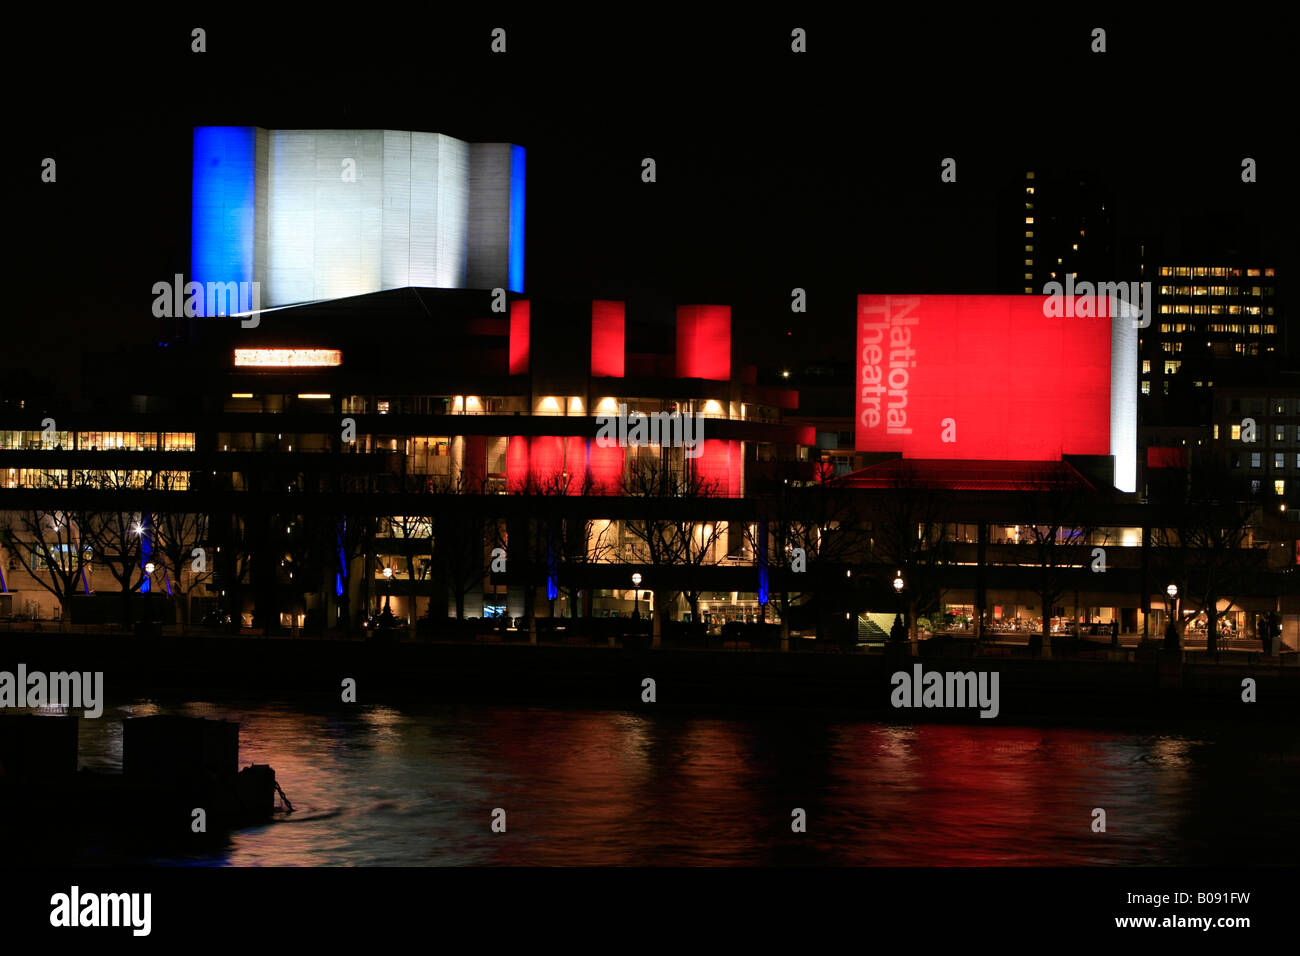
288,358
991,377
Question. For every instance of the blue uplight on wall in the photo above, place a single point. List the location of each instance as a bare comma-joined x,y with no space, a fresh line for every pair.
517,192
146,549
764,593
221,215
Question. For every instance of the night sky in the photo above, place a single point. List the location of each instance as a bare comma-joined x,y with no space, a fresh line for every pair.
775,170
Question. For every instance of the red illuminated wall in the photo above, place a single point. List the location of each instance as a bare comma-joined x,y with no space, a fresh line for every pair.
474,472
720,467
519,337
517,463
606,466
704,342
538,464
607,340
1016,384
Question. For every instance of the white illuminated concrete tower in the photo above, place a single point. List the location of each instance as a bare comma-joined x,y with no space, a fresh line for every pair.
324,214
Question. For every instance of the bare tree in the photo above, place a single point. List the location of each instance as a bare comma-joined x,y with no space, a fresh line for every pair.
182,546
50,545
813,529
1204,545
1062,506
119,538
911,533
669,531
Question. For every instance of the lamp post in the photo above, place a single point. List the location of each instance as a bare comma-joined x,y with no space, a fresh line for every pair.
388,592
1171,631
899,631
636,595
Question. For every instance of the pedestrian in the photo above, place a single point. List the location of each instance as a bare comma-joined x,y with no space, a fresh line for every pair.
1114,632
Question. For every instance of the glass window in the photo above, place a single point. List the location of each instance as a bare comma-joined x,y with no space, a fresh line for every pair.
1277,461
1255,459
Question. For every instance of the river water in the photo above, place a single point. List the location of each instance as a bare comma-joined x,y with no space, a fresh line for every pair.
379,785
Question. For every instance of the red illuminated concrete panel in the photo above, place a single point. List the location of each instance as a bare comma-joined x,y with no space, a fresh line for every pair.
607,339
519,314
719,468
517,463
704,342
606,468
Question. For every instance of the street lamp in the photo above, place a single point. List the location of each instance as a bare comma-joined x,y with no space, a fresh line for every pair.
636,594
388,591
1171,631
899,631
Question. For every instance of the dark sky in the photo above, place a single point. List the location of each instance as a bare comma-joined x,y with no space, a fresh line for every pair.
775,170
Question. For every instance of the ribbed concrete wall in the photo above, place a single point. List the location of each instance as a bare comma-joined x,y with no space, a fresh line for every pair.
424,209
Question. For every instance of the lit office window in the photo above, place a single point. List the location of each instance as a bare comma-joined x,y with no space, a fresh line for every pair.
1216,432
1172,366
1279,487
1146,366
1236,433
1029,220
1146,387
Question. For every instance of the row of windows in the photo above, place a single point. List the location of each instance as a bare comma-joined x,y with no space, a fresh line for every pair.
1256,461
1196,271
96,441
1219,290
1279,432
59,478
1184,309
